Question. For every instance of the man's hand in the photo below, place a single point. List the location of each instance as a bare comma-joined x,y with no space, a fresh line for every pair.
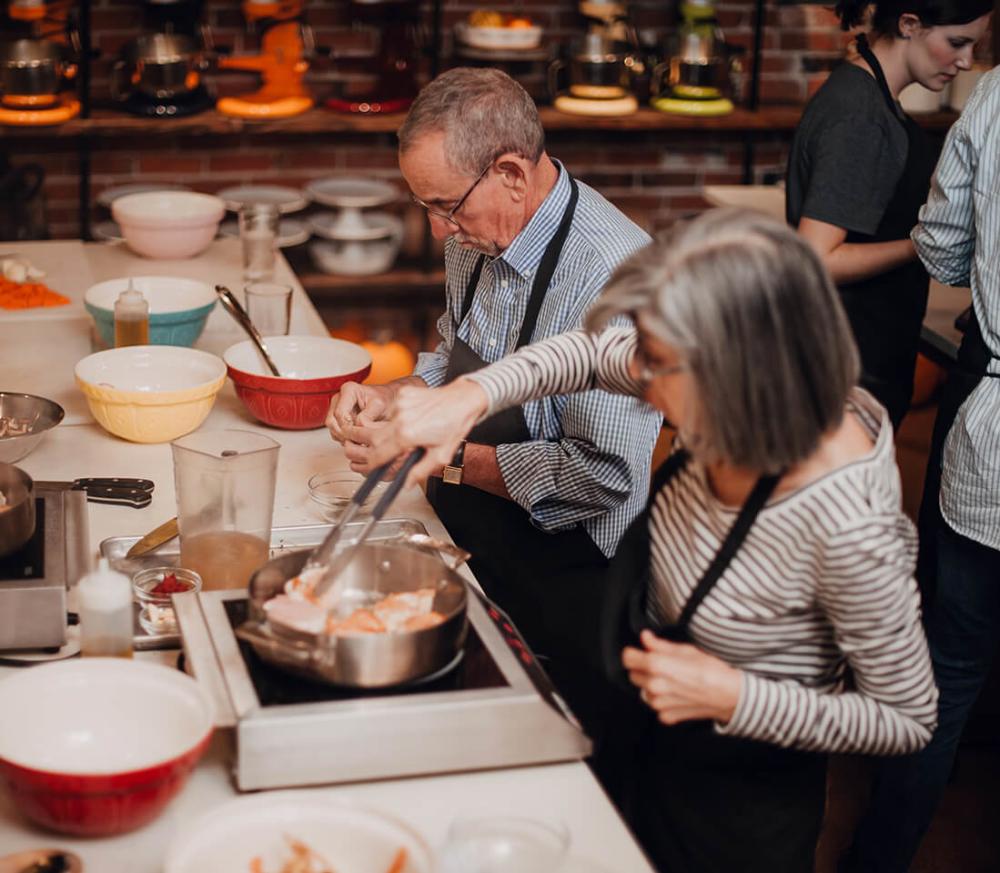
357,404
680,682
436,419
357,443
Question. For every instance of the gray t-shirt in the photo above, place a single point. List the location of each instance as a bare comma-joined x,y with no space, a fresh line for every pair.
847,156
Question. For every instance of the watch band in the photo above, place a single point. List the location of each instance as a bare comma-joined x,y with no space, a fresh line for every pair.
453,472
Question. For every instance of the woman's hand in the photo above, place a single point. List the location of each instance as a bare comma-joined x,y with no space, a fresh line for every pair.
680,682
435,418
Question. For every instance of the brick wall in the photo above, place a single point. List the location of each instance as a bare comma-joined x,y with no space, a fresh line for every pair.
654,178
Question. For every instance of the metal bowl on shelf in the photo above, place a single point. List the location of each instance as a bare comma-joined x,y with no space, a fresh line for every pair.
32,68
24,420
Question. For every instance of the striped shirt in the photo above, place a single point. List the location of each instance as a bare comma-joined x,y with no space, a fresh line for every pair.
958,239
823,581
588,459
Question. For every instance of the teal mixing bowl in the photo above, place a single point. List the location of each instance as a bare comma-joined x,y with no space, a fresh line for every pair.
178,308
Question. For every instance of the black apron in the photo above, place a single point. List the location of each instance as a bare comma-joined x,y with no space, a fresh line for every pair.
886,311
973,360
697,801
551,584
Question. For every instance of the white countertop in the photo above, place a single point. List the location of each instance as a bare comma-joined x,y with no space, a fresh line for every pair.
39,351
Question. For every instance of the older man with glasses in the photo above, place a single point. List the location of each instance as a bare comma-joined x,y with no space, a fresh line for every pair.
540,494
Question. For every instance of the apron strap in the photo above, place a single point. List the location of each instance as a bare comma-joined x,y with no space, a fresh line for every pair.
470,289
547,267
865,51
734,539
543,275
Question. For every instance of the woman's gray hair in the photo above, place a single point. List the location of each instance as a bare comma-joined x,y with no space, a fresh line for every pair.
483,114
750,309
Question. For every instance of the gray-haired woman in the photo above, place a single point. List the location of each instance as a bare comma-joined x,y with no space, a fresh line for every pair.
773,554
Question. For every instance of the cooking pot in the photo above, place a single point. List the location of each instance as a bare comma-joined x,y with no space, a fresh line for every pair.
17,515
376,660
160,65
32,71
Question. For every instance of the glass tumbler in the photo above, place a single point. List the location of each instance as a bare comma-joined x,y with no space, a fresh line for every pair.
225,481
259,239
269,306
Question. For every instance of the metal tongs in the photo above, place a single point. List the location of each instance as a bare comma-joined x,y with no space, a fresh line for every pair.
321,556
236,310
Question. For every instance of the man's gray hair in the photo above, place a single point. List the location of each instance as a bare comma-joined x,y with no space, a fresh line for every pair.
483,114
750,309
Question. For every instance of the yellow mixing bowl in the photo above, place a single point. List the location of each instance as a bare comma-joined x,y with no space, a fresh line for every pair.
150,394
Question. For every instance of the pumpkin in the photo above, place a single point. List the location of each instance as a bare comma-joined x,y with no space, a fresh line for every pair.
390,360
352,331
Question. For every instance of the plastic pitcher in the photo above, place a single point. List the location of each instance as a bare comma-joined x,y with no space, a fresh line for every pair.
225,482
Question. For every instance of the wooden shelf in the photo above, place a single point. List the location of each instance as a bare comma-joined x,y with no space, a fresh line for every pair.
111,123
403,283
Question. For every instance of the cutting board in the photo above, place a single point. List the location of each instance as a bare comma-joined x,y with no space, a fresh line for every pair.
66,271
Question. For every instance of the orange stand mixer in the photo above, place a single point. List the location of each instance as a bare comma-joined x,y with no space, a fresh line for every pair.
281,62
37,62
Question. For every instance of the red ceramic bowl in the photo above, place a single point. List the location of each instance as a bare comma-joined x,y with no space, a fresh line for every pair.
99,746
313,368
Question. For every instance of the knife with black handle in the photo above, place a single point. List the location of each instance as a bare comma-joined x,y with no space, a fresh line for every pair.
114,490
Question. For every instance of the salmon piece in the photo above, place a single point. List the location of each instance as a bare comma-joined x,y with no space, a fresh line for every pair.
422,622
361,621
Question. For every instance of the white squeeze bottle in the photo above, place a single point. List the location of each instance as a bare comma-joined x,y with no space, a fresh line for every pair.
104,599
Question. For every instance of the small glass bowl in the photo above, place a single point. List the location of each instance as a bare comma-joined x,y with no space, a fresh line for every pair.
504,845
331,492
156,615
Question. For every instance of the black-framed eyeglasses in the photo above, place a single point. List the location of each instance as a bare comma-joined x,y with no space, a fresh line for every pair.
449,216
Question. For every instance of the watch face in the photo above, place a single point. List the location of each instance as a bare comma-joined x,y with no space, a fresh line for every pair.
452,475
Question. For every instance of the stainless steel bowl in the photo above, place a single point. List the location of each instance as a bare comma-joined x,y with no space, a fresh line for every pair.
17,514
161,65
369,660
24,420
32,67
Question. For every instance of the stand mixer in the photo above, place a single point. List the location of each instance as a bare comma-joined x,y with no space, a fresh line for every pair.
396,59
281,62
37,62
601,75
699,71
158,73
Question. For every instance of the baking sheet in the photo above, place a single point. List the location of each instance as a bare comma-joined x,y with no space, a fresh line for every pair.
282,539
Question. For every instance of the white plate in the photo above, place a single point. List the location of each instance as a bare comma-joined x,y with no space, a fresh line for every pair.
360,227
109,195
348,191
290,232
286,199
39,656
352,839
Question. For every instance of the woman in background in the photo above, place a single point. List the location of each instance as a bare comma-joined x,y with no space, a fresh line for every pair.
773,554
860,168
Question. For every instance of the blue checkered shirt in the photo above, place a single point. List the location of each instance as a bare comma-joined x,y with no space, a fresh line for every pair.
588,459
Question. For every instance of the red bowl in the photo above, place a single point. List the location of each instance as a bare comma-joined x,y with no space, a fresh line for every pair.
100,745
313,368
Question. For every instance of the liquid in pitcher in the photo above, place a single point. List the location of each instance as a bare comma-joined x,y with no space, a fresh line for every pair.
224,559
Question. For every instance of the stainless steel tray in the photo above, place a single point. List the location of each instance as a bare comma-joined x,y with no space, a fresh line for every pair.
282,539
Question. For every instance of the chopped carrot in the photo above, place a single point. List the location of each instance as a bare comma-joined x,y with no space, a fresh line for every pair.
27,295
398,863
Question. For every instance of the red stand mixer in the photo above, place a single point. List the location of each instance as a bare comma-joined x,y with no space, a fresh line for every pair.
38,62
282,62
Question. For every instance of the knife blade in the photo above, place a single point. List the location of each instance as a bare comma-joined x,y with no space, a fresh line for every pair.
155,538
